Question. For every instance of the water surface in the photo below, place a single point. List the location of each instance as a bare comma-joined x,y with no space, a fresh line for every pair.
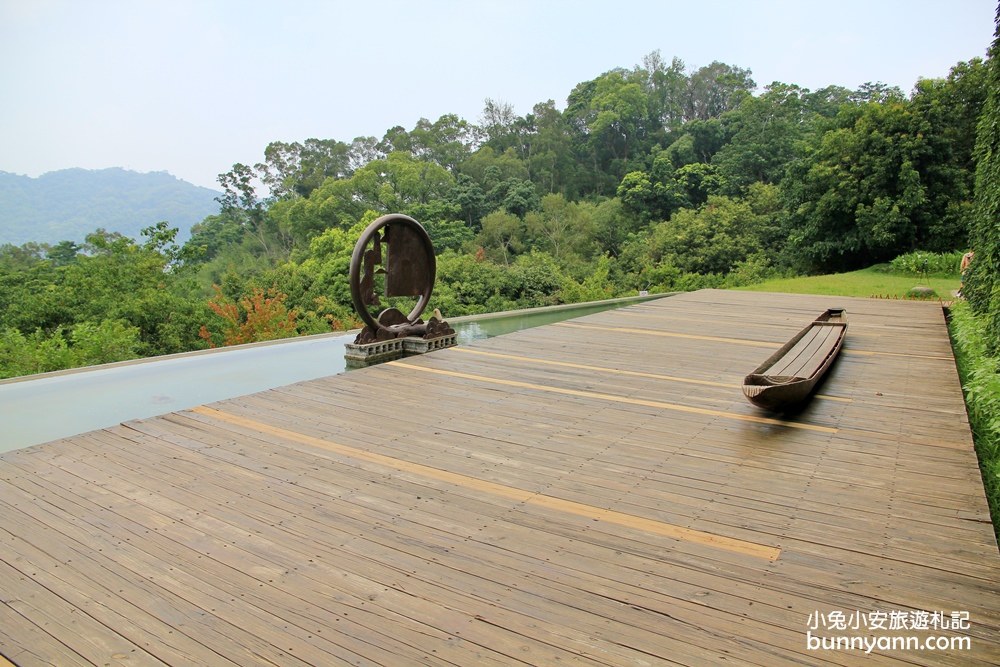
56,405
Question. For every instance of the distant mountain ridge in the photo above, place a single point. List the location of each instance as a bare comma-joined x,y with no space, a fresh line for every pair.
67,205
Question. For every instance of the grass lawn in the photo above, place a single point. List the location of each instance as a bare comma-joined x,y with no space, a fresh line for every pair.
874,281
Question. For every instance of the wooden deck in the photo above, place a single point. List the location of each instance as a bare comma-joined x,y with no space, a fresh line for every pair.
596,492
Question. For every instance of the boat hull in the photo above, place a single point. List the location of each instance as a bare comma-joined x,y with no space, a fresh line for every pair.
789,376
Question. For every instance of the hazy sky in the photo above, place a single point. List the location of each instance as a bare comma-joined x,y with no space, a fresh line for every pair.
193,86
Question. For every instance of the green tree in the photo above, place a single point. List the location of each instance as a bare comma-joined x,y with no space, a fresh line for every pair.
469,198
982,286
396,139
619,115
468,284
33,299
498,125
243,206
63,253
877,92
443,221
699,142
104,342
446,142
514,196
825,102
551,164
502,232
859,198
296,169
362,151
581,114
392,184
696,182
126,281
648,197
714,89
487,167
34,353
952,107
613,225
711,239
23,257
597,285
562,227
665,86
766,132
656,194
399,180
211,235
129,298
328,268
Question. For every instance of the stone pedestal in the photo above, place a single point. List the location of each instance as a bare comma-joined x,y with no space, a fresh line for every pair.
415,345
368,354
373,353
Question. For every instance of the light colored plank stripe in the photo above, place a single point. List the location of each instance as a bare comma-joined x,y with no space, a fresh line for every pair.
899,354
601,369
622,399
605,369
512,493
670,334
739,341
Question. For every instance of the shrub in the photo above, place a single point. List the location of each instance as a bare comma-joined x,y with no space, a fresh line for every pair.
929,263
754,269
255,318
981,384
86,344
922,293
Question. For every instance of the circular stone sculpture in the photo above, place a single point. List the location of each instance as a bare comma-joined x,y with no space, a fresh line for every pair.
409,266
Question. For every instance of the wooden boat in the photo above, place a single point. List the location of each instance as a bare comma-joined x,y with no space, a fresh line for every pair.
791,374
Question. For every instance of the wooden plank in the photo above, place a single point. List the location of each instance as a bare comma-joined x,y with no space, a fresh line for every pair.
80,636
24,641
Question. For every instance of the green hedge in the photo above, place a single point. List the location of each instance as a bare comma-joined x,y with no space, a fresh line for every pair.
929,263
982,287
978,368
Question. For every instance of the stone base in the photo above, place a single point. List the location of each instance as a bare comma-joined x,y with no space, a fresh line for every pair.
415,345
380,350
368,354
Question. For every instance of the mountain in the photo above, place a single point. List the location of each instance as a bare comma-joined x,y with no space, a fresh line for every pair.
67,205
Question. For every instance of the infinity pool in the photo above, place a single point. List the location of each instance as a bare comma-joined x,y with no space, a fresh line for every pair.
56,405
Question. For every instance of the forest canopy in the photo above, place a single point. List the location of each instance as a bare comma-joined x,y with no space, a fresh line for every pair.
660,177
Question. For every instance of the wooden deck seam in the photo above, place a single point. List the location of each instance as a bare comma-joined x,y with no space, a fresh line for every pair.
743,341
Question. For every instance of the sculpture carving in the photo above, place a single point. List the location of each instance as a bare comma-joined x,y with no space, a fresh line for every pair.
409,267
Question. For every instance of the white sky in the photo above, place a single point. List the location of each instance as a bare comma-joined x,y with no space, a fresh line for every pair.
193,86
